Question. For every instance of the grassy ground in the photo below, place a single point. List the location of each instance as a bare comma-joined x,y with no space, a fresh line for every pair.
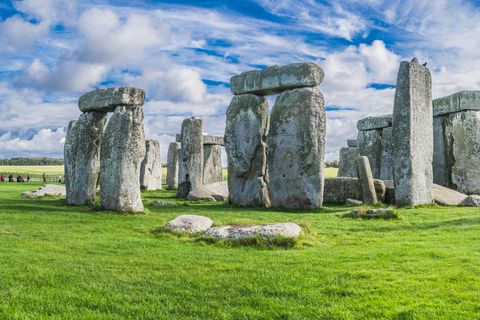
75,262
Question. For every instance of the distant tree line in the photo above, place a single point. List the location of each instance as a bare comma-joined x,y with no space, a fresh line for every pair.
31,162
331,164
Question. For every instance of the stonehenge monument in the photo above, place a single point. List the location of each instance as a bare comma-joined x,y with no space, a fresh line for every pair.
172,165
151,168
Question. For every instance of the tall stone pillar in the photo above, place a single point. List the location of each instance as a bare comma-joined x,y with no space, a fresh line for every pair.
172,165
151,168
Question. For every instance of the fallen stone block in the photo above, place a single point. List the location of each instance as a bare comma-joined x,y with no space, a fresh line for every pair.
190,223
163,203
371,123
107,100
51,189
471,201
353,202
447,197
266,231
216,191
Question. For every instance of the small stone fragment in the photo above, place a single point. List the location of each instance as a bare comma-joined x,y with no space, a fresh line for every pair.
190,223
107,100
371,123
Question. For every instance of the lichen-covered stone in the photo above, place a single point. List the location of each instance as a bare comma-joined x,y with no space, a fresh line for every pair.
178,137
82,157
460,101
443,159
217,191
190,223
172,165
266,231
246,131
216,140
378,122
366,180
353,202
212,163
122,153
151,168
51,189
338,190
71,124
107,100
296,148
413,135
346,166
352,143
471,201
386,158
276,79
369,144
447,197
191,162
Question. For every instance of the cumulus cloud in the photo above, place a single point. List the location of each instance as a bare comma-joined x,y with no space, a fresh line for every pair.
45,142
22,34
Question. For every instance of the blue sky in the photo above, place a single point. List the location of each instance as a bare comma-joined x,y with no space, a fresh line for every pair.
183,53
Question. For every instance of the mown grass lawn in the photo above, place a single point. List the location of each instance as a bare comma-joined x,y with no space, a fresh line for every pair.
66,262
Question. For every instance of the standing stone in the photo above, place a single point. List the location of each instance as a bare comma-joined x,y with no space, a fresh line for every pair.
386,158
366,180
443,159
346,166
122,153
245,135
296,148
82,157
413,135
352,143
71,124
212,164
191,162
151,168
369,144
466,151
172,165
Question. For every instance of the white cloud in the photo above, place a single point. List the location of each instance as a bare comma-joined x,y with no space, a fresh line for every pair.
22,34
45,142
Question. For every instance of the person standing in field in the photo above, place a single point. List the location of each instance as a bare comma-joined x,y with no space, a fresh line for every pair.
60,179
44,177
28,178
2,177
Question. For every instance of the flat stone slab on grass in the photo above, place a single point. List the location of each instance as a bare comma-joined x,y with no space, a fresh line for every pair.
471,201
51,189
265,231
371,123
190,223
162,203
353,202
217,191
107,100
447,197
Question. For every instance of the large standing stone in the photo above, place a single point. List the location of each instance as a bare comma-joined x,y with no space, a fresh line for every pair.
466,151
151,168
346,166
369,144
371,123
386,158
460,101
172,165
82,157
71,124
245,135
122,153
413,135
366,180
107,100
443,160
296,148
191,162
212,163
276,79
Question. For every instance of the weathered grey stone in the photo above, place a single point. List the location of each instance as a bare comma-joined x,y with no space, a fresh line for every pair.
380,189
460,101
274,80
71,124
245,135
353,202
266,231
51,189
212,163
151,168
379,211
338,190
346,166
413,135
172,165
371,123
162,203
443,159
366,180
217,191
466,151
82,157
190,223
216,140
191,162
447,197
122,153
178,137
296,148
369,144
389,191
471,201
386,158
352,143
107,100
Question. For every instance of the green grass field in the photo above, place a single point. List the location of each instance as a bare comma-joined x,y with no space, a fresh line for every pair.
59,261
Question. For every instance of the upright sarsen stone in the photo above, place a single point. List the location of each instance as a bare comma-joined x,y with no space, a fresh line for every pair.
245,135
369,144
386,157
71,124
151,168
443,159
82,157
366,180
296,148
413,135
122,153
212,163
172,165
346,166
191,162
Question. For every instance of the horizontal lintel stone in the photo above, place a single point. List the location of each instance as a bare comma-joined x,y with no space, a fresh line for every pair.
107,100
460,101
371,123
217,140
352,143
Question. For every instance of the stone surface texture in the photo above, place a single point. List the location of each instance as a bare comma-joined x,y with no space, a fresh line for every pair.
163,203
217,191
386,157
190,174
413,135
346,165
178,138
443,159
172,164
267,231
296,149
212,163
276,79
471,201
190,223
51,189
352,143
122,153
447,197
369,144
245,135
71,124
338,190
107,100
353,202
371,123
151,168
460,101
366,180
82,157
216,140
389,191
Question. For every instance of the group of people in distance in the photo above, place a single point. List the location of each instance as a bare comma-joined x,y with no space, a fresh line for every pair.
21,178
